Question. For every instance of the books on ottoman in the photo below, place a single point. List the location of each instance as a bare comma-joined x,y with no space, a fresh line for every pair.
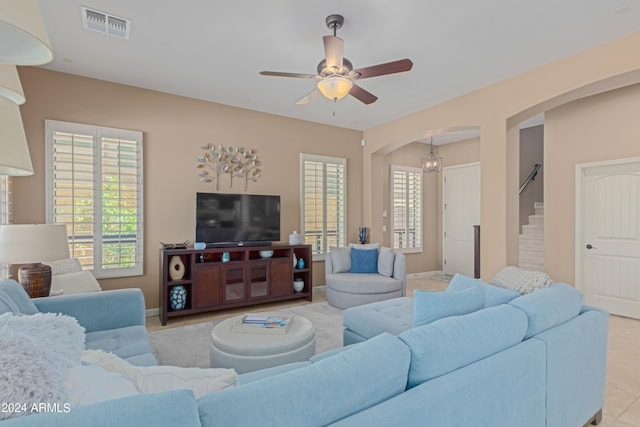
259,324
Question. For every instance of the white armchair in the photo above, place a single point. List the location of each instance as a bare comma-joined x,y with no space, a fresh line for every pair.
345,288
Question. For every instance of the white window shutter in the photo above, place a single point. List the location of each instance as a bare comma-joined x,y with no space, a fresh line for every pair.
94,185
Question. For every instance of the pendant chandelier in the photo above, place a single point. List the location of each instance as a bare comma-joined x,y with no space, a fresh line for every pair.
431,162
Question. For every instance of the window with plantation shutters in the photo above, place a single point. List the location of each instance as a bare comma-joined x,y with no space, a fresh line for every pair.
324,210
406,208
4,216
94,185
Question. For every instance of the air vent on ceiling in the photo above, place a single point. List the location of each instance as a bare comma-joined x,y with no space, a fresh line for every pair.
105,23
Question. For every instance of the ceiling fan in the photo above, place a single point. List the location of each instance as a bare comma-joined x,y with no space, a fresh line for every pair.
336,75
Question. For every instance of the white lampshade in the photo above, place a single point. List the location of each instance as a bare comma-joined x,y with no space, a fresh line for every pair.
14,152
335,87
24,37
31,243
10,86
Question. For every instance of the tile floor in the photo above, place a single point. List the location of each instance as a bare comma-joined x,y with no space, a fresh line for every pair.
622,394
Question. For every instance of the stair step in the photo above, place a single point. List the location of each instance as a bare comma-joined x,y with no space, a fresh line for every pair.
538,205
535,243
530,229
536,219
539,211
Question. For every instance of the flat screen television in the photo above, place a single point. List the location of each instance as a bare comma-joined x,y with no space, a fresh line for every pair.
237,219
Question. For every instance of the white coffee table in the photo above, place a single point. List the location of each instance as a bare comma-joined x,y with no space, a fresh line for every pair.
246,352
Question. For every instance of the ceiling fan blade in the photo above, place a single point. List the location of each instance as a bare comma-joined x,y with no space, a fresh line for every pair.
362,95
333,51
382,69
309,97
294,75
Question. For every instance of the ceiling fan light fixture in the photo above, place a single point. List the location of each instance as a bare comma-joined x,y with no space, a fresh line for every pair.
335,87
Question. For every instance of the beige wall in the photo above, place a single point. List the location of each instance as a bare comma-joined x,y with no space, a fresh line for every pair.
174,130
497,110
601,127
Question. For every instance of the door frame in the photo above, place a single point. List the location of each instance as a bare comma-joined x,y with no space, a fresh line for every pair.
581,168
442,211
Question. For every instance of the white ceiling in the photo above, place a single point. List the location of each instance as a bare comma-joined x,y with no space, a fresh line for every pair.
213,49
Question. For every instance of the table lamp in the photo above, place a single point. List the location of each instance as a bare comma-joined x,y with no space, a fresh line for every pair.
31,244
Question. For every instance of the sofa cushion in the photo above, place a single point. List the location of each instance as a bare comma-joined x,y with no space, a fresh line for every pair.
14,299
394,316
363,283
430,306
130,343
453,342
328,390
175,408
493,295
340,259
364,261
549,307
386,257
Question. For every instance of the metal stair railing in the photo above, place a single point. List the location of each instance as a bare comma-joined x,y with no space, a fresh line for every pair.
531,177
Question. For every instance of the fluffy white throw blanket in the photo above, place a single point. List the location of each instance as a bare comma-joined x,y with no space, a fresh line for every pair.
154,379
521,280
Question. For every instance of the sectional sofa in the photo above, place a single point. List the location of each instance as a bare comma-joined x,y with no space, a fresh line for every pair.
538,360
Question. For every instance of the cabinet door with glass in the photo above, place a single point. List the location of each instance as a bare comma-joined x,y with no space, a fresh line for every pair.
258,279
232,280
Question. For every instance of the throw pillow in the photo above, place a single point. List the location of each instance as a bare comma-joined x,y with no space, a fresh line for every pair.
493,295
521,280
386,257
365,245
364,261
430,306
59,334
75,283
29,374
155,379
340,259
14,299
65,266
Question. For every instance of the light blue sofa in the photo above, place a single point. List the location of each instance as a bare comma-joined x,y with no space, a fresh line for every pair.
536,361
114,321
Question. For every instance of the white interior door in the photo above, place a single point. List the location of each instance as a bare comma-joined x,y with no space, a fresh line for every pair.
608,248
461,211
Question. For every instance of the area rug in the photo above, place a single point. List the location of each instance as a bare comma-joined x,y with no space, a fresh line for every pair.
188,346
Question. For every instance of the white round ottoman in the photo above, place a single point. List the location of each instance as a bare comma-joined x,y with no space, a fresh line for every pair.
246,352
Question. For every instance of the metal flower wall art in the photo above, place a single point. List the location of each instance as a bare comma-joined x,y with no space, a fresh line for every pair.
237,162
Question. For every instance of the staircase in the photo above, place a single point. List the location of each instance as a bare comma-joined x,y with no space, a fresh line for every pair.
531,248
